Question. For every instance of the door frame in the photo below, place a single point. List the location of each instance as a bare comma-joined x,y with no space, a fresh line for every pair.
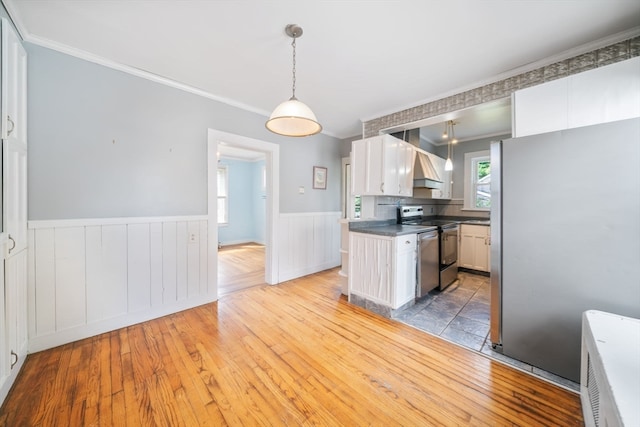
272,165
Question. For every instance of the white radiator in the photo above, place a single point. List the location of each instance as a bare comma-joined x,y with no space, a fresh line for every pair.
610,370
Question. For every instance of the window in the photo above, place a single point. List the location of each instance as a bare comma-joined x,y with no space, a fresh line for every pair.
223,199
477,182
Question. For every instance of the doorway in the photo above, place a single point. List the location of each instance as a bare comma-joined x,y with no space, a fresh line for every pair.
272,161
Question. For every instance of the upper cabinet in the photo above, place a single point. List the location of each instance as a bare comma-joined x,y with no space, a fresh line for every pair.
382,166
601,95
14,86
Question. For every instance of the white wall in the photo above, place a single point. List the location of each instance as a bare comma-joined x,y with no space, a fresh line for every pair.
92,276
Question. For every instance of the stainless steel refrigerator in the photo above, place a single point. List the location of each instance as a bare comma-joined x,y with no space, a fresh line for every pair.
565,238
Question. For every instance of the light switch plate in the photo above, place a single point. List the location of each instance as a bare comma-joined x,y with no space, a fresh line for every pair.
301,190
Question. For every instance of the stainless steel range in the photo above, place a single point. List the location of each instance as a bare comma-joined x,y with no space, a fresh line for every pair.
446,268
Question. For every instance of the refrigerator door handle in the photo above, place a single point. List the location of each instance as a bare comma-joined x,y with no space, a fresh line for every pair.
495,332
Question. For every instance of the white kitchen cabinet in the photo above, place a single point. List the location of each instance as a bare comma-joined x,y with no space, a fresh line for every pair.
382,269
475,247
600,95
382,166
13,236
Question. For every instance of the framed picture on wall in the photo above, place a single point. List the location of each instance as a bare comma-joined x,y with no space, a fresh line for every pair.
320,177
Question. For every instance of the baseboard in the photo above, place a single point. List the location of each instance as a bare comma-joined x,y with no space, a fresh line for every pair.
66,336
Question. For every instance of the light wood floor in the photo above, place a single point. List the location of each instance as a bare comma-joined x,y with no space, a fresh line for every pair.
240,267
293,354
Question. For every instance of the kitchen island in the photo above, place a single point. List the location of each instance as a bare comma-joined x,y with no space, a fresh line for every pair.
383,264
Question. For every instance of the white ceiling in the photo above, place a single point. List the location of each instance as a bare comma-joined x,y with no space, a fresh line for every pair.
357,60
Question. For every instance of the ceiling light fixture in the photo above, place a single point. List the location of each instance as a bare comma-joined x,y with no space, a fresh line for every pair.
292,117
450,134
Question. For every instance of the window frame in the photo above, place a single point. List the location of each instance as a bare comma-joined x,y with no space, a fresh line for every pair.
471,161
225,196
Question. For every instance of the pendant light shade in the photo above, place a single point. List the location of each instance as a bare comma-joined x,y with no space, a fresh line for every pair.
292,117
448,165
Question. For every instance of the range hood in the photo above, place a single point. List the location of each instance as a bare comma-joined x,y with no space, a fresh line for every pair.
425,174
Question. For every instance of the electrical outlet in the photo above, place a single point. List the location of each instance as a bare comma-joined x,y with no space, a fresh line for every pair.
193,238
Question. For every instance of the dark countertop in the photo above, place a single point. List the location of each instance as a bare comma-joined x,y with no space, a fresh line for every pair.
476,222
390,228
393,230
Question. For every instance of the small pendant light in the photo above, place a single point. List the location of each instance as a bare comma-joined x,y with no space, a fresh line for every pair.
448,165
292,117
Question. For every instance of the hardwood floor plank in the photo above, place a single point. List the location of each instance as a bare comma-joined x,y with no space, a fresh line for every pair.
293,354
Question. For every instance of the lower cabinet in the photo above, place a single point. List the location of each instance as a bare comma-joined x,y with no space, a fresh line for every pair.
13,326
382,269
475,247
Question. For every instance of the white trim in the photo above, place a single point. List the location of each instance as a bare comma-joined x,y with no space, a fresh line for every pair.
299,214
468,180
44,342
83,222
81,54
240,242
15,18
226,191
272,163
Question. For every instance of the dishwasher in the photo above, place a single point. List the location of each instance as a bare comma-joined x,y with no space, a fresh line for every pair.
428,262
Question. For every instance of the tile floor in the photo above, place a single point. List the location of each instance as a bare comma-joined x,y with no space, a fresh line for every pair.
460,314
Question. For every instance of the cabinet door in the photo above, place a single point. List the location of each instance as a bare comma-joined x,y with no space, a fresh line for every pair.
14,195
367,167
15,309
13,86
605,94
391,165
541,108
370,267
474,252
481,253
466,253
406,160
405,278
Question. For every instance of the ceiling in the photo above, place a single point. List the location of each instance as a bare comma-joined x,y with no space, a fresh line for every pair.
356,61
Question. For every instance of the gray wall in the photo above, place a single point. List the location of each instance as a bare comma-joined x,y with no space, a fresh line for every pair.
104,143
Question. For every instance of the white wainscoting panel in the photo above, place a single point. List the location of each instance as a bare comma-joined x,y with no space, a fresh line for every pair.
308,242
92,276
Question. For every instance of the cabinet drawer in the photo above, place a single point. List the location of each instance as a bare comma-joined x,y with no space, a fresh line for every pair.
476,230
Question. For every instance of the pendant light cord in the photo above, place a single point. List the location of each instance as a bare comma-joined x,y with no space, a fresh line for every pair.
293,43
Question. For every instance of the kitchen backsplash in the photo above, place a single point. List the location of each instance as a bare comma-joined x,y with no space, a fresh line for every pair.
386,207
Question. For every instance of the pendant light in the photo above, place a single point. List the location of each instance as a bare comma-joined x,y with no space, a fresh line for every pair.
292,117
450,134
